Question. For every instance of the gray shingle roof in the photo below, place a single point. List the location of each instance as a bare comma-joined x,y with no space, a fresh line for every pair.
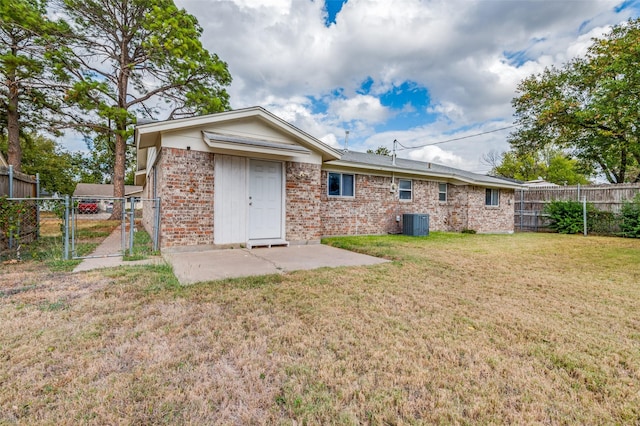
421,167
102,190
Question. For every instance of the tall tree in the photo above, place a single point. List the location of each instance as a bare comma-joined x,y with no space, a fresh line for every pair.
590,106
140,58
29,90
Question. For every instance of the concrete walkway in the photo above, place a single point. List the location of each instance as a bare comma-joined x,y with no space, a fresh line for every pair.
104,255
210,265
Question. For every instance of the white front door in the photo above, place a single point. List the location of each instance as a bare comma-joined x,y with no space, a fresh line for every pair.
265,200
230,200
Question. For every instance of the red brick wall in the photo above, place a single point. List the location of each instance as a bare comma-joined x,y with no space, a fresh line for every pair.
371,211
185,186
302,202
484,218
374,208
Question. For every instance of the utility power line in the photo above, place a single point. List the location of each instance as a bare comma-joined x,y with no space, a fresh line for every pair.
455,139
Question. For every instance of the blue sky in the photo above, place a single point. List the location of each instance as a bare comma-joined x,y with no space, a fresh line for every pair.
419,71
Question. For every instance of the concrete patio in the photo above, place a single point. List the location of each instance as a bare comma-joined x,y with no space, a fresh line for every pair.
192,266
209,265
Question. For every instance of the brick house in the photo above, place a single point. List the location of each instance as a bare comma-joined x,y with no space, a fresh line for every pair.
247,177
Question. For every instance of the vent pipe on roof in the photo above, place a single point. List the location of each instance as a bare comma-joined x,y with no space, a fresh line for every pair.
346,140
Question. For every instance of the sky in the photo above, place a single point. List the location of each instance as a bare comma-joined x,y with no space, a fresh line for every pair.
416,71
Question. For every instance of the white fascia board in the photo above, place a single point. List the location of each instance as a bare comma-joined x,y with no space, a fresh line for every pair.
411,172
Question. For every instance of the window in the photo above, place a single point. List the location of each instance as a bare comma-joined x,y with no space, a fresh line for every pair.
442,192
341,185
492,197
404,189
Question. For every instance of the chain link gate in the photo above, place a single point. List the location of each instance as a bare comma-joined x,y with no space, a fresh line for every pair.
78,227
112,223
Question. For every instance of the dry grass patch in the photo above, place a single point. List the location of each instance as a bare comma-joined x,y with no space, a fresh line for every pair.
529,328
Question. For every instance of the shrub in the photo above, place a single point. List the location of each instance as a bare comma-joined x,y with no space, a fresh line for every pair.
602,222
567,216
630,225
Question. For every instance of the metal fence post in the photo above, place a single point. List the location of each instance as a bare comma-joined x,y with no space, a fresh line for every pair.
37,206
66,227
73,225
123,225
521,207
578,192
132,223
10,181
584,214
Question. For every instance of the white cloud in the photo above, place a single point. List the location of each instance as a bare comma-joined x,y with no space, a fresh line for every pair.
435,154
360,108
281,55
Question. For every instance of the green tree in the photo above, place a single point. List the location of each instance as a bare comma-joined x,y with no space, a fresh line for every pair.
30,46
139,58
551,165
381,150
590,106
59,170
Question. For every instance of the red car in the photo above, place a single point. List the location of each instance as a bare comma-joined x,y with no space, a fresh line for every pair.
87,207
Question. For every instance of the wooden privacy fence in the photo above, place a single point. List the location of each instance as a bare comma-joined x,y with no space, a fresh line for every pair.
530,202
17,185
18,224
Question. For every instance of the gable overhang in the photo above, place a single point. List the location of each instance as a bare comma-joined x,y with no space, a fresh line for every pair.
452,178
148,135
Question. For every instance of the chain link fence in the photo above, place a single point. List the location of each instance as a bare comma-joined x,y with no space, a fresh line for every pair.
76,228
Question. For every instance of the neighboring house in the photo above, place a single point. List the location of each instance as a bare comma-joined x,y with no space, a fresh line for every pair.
103,192
247,177
539,183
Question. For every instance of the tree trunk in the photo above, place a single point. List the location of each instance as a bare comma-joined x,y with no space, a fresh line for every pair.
120,159
118,173
14,151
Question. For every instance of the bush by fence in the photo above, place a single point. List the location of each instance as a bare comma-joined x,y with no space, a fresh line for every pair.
630,225
567,217
606,204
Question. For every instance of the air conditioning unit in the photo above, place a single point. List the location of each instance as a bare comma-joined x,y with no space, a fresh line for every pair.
415,224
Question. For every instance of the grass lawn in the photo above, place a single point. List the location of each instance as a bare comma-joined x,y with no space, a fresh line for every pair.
525,328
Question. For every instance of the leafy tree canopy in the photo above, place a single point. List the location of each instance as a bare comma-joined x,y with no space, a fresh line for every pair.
381,150
59,170
31,78
551,165
589,107
139,58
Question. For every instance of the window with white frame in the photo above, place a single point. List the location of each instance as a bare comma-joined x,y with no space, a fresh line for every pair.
341,185
405,189
492,197
442,192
